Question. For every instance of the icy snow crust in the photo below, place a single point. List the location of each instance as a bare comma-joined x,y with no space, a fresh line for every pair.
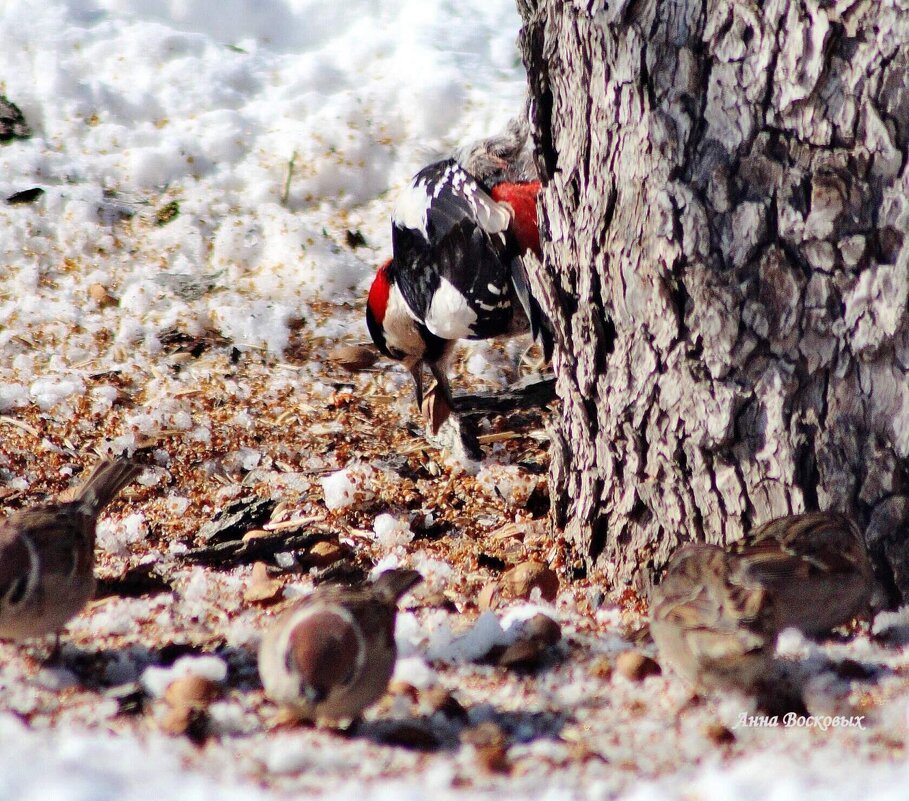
202,161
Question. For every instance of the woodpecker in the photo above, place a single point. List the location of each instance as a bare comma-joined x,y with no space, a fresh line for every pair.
456,272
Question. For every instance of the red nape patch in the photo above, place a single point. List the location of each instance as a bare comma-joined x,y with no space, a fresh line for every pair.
523,199
378,293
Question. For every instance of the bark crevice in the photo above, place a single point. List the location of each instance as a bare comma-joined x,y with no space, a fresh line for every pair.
725,215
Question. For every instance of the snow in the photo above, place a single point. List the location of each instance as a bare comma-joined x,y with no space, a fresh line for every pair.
156,680
348,486
117,536
509,482
391,531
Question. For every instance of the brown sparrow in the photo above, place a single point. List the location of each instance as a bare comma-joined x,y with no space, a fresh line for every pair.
710,622
333,653
815,566
47,554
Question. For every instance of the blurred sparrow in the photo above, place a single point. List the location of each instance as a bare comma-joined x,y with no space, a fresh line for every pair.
709,621
332,654
47,554
815,566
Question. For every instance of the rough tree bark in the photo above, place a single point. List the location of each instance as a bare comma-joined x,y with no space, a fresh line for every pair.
725,215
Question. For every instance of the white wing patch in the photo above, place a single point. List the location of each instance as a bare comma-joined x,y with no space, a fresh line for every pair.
492,217
412,207
449,315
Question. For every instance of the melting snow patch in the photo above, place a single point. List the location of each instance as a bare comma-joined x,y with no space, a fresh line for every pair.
348,486
156,680
391,531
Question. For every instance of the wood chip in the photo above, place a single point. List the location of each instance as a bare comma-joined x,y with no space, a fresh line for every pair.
543,629
240,552
490,745
413,734
234,519
636,666
509,531
601,667
134,583
493,758
192,691
400,687
438,699
717,733
192,722
489,596
522,655
255,533
12,421
522,579
99,294
325,553
354,357
499,436
293,523
262,589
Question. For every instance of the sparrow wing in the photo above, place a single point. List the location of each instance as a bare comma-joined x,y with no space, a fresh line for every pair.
18,567
802,547
704,590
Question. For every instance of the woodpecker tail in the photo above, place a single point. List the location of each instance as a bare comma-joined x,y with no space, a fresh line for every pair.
540,327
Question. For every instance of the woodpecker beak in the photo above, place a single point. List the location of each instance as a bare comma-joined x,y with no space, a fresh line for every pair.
436,410
444,388
439,404
416,372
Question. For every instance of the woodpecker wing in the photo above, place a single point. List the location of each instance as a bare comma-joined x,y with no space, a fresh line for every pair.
452,254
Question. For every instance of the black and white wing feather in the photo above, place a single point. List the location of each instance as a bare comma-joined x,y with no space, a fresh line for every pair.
453,253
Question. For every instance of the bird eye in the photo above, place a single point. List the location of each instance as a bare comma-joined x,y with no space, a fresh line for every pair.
17,591
314,695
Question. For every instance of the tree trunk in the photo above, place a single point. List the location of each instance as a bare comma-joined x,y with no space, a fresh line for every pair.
724,214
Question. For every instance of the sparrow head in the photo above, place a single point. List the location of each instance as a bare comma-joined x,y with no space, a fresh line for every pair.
332,655
325,651
390,585
709,622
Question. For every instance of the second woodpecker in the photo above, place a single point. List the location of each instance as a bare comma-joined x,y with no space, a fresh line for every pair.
457,272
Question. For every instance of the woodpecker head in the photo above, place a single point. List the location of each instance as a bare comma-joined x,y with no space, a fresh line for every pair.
393,326
377,308
398,334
